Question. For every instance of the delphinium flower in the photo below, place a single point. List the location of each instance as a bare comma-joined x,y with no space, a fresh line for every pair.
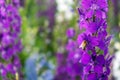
61,69
16,3
70,33
10,43
74,69
94,41
68,67
61,73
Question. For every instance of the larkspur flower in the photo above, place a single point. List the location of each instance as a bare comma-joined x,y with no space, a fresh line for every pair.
97,7
68,67
10,43
87,41
70,33
88,57
16,3
94,42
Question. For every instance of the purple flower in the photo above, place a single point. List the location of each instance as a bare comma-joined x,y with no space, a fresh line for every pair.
67,69
98,69
16,3
94,41
71,45
87,41
10,42
70,33
91,76
94,5
10,68
85,59
89,53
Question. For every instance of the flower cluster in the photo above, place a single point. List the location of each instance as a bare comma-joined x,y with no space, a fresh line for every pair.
68,67
10,43
94,41
88,57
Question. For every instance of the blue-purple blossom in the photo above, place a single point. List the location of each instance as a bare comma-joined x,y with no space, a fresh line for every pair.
70,33
68,67
88,57
94,41
10,43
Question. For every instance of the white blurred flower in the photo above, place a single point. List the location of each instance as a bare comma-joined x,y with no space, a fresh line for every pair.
117,45
116,66
64,7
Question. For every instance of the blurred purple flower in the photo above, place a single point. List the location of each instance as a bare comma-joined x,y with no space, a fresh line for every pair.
70,33
88,56
10,43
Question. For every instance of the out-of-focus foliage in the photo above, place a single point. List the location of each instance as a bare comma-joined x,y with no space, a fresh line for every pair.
35,40
37,27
